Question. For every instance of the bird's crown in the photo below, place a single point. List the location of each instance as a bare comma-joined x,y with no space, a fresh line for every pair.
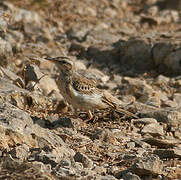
63,62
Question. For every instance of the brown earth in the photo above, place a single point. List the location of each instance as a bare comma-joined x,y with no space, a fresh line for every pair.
133,48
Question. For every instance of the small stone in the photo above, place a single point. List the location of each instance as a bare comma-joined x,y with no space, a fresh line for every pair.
77,33
145,121
3,25
99,75
131,176
79,65
5,51
172,61
100,170
45,83
105,136
79,157
110,12
14,117
63,173
64,122
46,158
117,79
126,175
169,103
163,96
21,152
159,52
91,11
15,38
113,169
108,177
129,157
26,16
168,153
153,129
45,168
139,143
171,117
61,107
12,76
153,10
162,143
162,79
177,98
101,34
177,133
130,145
18,62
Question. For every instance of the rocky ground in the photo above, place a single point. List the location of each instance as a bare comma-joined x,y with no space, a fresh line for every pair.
133,47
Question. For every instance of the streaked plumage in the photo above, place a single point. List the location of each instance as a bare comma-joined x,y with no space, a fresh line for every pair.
81,91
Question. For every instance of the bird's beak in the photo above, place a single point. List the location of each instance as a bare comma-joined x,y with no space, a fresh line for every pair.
55,60
51,59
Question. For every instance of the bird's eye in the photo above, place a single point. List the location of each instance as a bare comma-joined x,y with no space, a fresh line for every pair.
63,62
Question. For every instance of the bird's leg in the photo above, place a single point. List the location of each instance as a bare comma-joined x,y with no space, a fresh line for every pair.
90,116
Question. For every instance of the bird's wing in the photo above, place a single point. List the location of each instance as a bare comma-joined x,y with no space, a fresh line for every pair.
84,84
87,85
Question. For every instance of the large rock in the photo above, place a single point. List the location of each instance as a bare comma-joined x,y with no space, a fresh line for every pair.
153,129
5,51
136,53
149,165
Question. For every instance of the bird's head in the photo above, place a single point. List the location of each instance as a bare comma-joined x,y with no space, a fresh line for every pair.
63,63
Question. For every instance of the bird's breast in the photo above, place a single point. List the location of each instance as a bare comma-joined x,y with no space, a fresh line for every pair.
84,101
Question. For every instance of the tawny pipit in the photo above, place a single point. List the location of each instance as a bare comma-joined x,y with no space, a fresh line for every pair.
81,92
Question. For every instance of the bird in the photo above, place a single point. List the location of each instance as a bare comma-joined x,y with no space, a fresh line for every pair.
80,90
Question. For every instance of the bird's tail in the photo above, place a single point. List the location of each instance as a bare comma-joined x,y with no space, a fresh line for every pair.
114,103
125,112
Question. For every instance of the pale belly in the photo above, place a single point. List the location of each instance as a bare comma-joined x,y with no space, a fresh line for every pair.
79,100
86,101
